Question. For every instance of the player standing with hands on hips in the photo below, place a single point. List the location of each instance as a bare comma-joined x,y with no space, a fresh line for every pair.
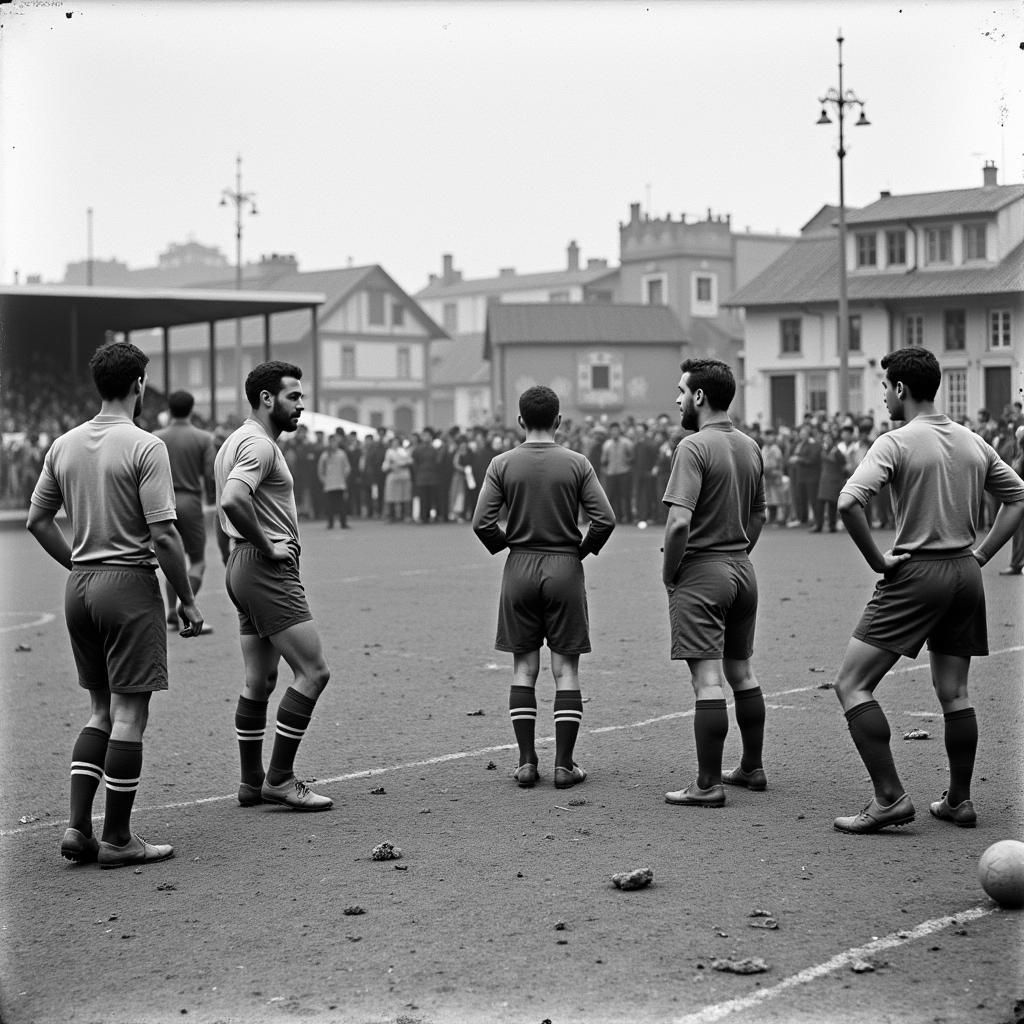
931,587
256,505
114,481
543,593
716,511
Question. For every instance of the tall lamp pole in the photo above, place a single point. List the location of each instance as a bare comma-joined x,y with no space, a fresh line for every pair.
841,99
241,200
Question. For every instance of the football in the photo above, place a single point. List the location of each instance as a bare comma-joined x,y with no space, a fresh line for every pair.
1001,873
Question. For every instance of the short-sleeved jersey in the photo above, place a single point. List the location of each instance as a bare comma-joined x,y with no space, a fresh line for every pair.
717,473
544,486
937,471
252,456
191,453
113,479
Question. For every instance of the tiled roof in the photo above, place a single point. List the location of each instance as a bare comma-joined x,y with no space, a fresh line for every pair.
956,203
458,361
580,323
516,282
808,272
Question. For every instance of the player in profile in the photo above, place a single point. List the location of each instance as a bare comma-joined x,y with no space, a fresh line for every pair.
543,594
114,481
716,510
931,587
256,505
191,453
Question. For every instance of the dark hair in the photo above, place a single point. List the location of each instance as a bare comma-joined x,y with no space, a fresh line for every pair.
114,367
539,407
917,368
267,377
714,378
180,404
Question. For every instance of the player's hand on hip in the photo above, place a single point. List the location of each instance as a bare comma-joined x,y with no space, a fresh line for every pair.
192,618
893,561
282,551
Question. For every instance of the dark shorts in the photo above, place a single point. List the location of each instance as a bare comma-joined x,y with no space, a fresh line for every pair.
115,619
268,595
712,610
191,524
934,598
543,597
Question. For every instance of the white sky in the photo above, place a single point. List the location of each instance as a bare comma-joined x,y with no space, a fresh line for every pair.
387,132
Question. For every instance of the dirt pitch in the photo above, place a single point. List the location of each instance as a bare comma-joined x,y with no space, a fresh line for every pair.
501,908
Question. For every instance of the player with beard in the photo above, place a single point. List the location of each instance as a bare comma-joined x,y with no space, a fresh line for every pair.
716,510
256,506
114,481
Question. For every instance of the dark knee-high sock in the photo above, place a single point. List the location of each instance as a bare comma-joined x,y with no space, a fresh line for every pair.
123,770
250,728
710,727
522,709
568,716
750,719
870,731
293,717
87,758
961,745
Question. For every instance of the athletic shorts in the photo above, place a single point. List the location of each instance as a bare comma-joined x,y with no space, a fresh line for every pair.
115,619
268,595
713,608
191,524
543,597
928,597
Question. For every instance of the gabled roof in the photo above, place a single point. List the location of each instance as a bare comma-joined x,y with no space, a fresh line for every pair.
517,282
956,203
575,323
458,361
808,272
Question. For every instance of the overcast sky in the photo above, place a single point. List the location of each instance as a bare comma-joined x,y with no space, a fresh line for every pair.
387,132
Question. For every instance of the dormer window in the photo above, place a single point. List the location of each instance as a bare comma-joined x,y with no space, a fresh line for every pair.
938,244
867,249
895,248
974,242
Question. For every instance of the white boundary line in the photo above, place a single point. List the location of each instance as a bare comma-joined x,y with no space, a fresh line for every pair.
719,1010
41,619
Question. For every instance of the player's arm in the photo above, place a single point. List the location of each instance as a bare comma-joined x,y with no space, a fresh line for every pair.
677,536
856,522
1005,524
599,512
41,523
171,556
236,503
755,524
485,517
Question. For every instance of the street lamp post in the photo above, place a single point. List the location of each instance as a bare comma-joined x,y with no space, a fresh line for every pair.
241,200
841,99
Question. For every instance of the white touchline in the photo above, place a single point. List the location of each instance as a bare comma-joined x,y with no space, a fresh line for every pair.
900,938
41,619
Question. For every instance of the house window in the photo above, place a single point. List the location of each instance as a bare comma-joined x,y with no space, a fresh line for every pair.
817,392
895,247
398,315
853,334
404,364
955,383
974,242
856,385
450,317
867,249
790,332
600,378
703,289
375,307
348,361
558,297
954,326
913,329
999,328
654,290
939,245
704,294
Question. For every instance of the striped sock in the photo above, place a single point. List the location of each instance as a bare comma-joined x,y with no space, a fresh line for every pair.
568,716
750,719
710,727
87,757
522,709
123,771
961,738
293,717
250,728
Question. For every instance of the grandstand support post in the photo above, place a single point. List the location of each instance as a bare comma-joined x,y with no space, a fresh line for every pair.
165,332
315,369
212,332
266,337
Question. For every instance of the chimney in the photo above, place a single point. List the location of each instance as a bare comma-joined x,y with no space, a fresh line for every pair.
446,268
634,213
506,272
573,253
885,194
990,173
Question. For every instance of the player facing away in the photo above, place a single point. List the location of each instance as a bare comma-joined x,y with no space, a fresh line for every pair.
114,481
543,592
256,505
931,587
191,452
716,510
